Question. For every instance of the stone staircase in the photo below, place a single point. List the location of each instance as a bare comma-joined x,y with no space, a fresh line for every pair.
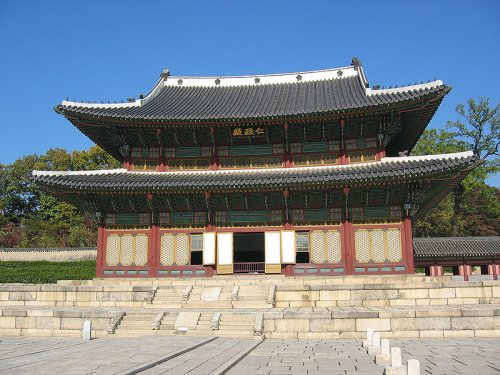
236,325
209,297
312,307
169,297
252,297
167,323
135,324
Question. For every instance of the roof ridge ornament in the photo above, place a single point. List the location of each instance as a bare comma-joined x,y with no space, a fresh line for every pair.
165,73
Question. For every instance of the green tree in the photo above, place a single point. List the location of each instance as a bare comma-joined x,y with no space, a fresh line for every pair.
29,217
473,209
480,131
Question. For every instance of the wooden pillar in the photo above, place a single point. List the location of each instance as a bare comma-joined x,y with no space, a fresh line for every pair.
101,248
287,155
436,270
127,163
465,271
494,270
343,153
287,225
408,248
154,249
347,235
380,153
215,160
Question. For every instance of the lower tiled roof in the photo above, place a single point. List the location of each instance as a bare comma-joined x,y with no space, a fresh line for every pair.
456,246
389,169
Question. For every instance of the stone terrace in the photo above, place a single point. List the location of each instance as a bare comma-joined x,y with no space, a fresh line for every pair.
248,306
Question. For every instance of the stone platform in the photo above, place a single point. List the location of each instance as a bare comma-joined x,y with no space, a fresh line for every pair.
255,306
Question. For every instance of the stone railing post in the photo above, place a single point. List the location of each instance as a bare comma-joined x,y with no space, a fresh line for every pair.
151,295
155,325
235,292
187,292
114,323
270,295
258,327
215,322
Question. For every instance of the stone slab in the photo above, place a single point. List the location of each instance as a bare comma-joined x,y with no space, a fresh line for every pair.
210,294
187,319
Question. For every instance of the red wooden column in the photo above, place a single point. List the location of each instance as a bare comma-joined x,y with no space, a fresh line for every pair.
343,153
287,155
494,270
153,242
101,248
210,227
347,234
436,270
153,249
214,159
465,270
408,245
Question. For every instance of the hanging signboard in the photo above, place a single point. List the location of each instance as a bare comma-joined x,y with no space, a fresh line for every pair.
248,131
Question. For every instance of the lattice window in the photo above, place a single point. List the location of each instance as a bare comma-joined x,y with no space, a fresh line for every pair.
278,149
188,164
333,246
394,250
145,153
127,253
127,250
182,250
378,245
141,250
143,218
113,250
362,246
167,255
250,162
317,247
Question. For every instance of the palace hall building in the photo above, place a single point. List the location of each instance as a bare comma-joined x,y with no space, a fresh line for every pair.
297,174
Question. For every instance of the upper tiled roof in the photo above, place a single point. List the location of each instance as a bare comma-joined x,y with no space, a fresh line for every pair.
255,97
456,246
389,169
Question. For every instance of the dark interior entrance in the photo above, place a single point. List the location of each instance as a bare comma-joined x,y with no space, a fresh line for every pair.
249,247
249,252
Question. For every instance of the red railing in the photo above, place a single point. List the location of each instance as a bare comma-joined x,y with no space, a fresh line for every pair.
250,267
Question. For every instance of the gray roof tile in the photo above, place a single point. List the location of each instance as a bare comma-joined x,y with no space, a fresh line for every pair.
456,246
388,170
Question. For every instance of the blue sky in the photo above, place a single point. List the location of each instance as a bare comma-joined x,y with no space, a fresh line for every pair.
111,50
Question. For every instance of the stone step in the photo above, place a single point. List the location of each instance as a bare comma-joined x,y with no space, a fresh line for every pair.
132,327
164,306
167,326
235,334
134,333
208,304
251,305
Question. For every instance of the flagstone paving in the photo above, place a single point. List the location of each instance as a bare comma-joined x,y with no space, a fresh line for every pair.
211,355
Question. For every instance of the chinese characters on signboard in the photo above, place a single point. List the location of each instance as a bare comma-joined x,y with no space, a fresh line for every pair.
248,131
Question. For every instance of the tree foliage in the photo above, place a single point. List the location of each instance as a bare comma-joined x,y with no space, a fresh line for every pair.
31,218
474,208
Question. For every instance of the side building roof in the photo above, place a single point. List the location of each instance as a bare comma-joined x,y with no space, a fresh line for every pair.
442,247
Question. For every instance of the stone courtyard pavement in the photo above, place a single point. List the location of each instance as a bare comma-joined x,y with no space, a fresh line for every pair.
199,355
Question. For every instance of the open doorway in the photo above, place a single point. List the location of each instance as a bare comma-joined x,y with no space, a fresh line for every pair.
249,252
